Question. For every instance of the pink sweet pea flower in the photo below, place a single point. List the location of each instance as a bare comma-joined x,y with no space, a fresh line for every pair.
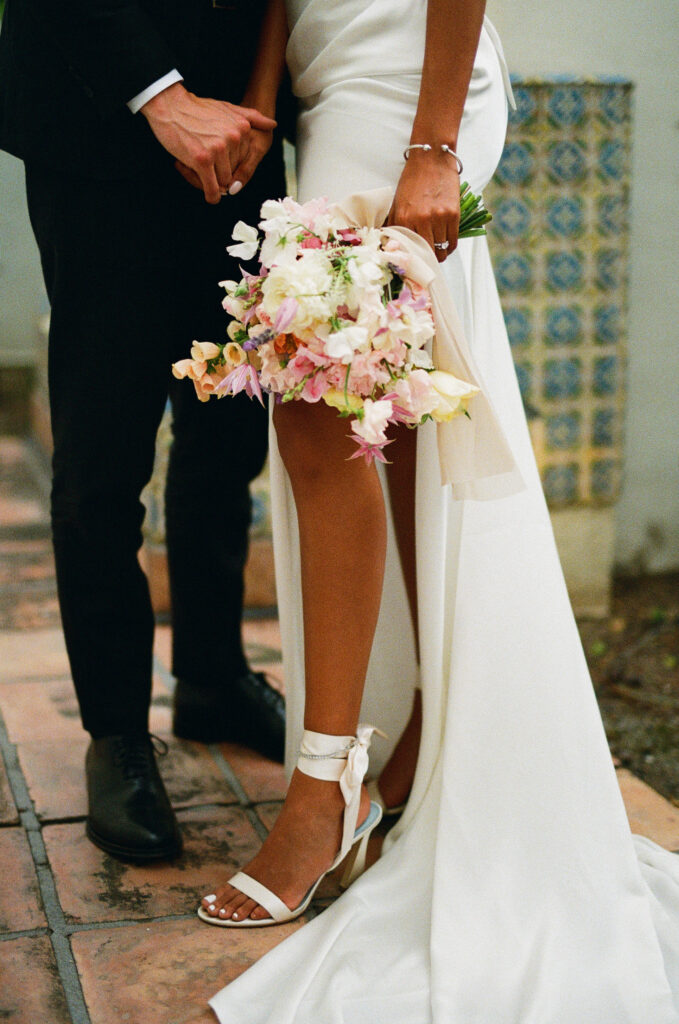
287,311
315,388
369,451
311,242
243,378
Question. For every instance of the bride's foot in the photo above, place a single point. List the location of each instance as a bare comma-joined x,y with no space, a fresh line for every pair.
397,776
300,848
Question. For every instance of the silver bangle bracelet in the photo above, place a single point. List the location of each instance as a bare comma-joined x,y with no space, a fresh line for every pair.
445,148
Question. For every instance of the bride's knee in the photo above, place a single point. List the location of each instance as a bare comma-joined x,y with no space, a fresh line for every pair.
307,441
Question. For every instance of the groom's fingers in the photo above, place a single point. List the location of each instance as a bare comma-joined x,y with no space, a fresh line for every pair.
209,183
189,175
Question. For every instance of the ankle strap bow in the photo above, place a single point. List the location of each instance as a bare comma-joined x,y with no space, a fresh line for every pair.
342,759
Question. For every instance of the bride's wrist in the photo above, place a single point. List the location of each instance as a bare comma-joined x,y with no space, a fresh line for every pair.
264,103
438,151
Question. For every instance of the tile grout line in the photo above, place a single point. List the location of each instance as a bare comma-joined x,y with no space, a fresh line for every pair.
243,799
58,929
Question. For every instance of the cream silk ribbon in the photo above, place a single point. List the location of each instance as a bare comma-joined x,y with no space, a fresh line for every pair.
470,450
322,757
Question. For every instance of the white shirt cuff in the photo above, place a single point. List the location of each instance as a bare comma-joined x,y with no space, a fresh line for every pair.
138,101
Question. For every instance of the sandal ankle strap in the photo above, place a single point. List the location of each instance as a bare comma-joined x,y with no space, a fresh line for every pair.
342,759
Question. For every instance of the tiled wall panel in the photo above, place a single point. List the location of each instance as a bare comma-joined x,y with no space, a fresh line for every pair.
560,202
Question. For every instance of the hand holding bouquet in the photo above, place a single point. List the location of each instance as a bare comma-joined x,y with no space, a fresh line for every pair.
331,316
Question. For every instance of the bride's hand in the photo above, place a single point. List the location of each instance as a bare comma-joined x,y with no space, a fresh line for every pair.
259,146
427,200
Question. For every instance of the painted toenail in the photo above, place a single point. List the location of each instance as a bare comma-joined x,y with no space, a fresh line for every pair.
235,916
211,898
212,908
222,912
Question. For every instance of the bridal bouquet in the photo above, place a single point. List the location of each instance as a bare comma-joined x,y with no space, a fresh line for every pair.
333,316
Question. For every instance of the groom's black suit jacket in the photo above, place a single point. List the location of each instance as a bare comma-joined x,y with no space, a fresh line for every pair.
68,68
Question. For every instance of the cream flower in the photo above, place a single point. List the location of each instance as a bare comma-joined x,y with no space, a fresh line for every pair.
234,354
201,351
453,395
337,399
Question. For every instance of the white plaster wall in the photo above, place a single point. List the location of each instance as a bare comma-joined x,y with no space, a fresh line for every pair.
639,40
22,294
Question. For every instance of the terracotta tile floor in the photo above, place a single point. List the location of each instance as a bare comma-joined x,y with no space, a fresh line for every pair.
83,938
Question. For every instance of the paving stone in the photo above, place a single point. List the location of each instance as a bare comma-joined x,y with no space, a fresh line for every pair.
94,887
261,779
40,655
164,973
30,989
8,811
40,710
649,813
20,902
55,775
49,710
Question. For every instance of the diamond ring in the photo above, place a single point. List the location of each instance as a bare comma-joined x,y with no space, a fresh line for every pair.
442,245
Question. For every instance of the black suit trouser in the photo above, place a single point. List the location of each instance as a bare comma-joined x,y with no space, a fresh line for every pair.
132,270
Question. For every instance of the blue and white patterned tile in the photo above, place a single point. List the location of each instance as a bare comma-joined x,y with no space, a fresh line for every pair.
512,217
565,215
607,324
519,324
612,159
526,107
565,270
604,428
604,479
605,377
566,161
564,431
514,273
517,164
559,245
566,106
561,483
563,325
562,378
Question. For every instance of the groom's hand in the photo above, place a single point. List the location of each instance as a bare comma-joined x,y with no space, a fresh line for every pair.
211,137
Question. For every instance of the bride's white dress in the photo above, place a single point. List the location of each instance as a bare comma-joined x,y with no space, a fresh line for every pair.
511,892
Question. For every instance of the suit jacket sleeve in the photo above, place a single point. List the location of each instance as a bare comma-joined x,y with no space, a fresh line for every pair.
111,47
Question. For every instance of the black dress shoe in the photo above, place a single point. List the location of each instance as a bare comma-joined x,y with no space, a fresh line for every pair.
130,815
246,710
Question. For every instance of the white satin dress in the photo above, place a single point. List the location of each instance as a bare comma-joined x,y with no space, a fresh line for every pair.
511,892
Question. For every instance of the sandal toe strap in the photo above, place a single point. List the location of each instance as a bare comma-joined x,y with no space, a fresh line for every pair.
256,891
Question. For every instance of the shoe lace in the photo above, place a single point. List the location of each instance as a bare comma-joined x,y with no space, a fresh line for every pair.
135,755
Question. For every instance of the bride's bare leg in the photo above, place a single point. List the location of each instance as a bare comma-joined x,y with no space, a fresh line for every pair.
397,775
342,528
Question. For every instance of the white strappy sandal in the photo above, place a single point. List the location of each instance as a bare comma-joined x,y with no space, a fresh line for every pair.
342,759
376,796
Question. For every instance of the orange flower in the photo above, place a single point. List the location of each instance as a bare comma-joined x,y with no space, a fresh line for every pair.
285,345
